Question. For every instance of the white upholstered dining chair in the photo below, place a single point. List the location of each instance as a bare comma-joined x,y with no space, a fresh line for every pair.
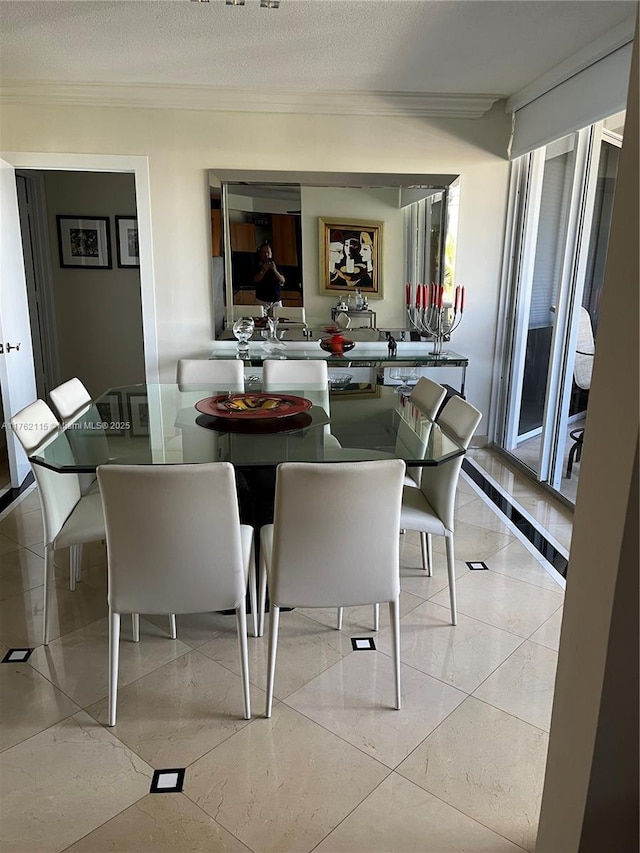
295,315
210,374
70,399
429,509
310,557
239,311
308,377
185,553
427,395
68,518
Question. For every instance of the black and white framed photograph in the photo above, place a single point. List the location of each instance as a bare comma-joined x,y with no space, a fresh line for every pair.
127,241
110,412
84,241
138,406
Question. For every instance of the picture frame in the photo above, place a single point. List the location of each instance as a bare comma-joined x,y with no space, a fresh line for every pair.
350,256
109,408
138,407
84,242
127,246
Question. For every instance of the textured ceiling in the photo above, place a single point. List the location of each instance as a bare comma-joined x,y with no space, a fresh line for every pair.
426,46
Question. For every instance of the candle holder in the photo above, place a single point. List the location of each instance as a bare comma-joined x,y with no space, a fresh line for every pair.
429,315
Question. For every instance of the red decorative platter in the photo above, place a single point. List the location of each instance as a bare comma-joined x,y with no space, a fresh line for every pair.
253,406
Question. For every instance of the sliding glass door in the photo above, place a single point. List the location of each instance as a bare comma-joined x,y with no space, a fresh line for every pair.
556,247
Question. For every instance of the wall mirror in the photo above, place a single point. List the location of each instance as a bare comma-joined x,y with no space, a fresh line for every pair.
417,216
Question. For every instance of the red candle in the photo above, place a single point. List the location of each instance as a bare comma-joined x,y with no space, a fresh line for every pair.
440,296
461,299
407,293
433,294
456,303
418,295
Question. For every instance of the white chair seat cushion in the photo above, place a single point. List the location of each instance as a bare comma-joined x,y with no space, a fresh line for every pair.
85,524
417,513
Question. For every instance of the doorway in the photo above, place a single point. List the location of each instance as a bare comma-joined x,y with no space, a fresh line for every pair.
137,166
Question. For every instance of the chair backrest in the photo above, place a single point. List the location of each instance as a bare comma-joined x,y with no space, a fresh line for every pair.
585,349
210,373
239,311
458,419
69,399
173,538
336,529
35,426
297,315
428,395
308,378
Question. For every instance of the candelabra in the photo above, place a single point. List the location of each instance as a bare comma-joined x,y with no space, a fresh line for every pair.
428,314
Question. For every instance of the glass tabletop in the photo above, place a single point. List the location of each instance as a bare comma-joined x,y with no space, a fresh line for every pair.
159,424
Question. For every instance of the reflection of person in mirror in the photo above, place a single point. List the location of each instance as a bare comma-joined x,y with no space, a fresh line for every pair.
267,279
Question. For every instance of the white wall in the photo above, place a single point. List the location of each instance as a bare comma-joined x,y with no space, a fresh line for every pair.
97,312
182,146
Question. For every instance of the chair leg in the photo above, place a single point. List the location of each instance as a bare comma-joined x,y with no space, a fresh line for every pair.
451,570
114,652
173,630
73,568
427,553
253,598
49,554
394,616
241,627
274,622
376,617
262,603
339,615
135,627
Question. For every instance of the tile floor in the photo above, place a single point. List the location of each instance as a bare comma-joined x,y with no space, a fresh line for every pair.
460,768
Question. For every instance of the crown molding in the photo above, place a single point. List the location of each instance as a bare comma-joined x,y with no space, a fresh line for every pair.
191,97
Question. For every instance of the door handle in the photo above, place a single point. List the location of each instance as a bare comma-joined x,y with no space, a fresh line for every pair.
11,346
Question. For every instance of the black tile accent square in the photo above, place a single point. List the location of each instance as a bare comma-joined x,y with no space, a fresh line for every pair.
363,644
17,656
167,781
478,566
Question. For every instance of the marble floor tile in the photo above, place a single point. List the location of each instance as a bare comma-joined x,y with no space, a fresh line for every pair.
548,634
282,784
401,816
180,711
7,545
65,782
504,602
78,662
481,514
196,629
355,699
488,765
305,649
523,684
414,579
462,655
28,703
562,533
160,824
21,616
474,543
24,528
359,619
20,570
27,502
518,562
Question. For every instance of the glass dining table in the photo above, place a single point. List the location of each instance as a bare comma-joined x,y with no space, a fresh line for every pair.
160,424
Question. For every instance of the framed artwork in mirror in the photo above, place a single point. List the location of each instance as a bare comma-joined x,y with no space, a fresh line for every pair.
350,257
127,241
84,241
138,411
